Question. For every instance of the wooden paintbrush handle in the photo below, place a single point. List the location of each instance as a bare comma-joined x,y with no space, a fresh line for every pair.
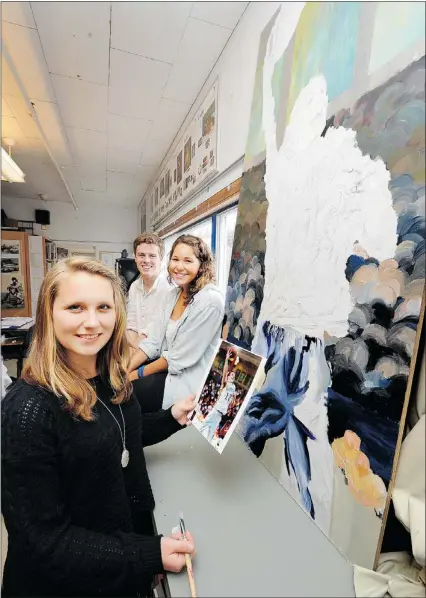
190,576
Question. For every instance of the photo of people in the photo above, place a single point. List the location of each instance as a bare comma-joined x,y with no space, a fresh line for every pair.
187,155
12,293
62,252
10,247
167,183
179,167
209,119
225,393
9,264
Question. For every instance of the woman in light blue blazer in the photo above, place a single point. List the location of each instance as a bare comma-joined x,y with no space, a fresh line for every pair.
181,341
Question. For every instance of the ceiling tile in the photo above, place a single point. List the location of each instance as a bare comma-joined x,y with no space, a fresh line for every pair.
151,29
23,116
78,44
145,173
70,174
123,161
92,176
168,120
225,14
23,190
88,144
120,182
51,123
154,153
8,83
198,53
5,110
127,133
82,104
202,43
37,148
19,13
45,179
10,128
136,84
26,53
185,82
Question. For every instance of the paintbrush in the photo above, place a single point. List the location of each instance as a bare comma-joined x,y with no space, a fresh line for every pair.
187,558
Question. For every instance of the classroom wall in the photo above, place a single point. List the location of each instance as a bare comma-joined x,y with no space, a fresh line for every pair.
235,69
108,227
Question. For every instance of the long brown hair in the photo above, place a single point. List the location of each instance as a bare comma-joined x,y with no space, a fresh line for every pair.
47,365
206,272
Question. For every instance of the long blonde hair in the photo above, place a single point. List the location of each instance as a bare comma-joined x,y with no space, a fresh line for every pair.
47,365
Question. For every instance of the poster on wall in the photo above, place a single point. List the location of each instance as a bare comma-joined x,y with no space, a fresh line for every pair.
327,271
15,294
62,252
192,162
12,278
108,258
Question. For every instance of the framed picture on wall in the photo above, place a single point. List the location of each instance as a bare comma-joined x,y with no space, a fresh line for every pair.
108,258
62,252
15,287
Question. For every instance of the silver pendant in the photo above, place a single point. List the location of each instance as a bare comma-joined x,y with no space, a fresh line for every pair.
125,457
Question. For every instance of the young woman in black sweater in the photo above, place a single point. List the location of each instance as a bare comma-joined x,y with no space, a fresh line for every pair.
76,496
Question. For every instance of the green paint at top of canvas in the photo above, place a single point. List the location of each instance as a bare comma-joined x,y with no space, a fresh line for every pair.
325,43
397,26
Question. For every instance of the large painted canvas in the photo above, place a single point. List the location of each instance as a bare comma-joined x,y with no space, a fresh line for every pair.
327,271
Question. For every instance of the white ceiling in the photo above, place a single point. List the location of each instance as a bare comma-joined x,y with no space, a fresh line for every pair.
110,82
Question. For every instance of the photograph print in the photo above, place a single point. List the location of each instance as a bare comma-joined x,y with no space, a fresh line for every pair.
179,167
10,247
9,264
225,393
187,155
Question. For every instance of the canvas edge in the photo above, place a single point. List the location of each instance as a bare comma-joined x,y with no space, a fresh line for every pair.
408,391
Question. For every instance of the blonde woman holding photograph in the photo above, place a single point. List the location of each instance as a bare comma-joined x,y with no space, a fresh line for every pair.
77,501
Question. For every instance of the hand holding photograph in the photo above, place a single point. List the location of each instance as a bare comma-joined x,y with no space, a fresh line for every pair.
226,391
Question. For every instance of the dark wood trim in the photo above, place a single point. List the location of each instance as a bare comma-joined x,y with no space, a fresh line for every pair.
211,204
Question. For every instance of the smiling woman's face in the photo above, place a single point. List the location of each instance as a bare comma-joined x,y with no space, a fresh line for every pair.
84,314
183,265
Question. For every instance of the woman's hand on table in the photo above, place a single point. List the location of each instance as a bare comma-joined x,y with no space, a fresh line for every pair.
181,410
173,551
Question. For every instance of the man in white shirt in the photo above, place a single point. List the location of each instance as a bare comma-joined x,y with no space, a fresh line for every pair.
148,292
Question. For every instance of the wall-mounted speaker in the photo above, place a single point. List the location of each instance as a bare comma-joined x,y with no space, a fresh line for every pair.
42,217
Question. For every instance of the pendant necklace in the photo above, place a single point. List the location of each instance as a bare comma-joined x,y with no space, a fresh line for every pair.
125,456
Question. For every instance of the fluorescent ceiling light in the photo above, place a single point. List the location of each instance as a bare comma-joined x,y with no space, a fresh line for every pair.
10,171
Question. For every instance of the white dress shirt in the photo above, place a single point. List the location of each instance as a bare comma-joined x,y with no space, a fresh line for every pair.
143,306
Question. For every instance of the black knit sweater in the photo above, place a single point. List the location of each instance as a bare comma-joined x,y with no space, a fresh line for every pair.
77,521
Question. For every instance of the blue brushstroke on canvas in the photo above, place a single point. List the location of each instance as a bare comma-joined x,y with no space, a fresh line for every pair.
271,409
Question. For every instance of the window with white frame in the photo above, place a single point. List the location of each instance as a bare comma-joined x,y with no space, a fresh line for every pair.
225,227
202,229
222,243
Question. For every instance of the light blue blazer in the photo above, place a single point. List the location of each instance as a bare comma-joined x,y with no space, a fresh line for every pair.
192,344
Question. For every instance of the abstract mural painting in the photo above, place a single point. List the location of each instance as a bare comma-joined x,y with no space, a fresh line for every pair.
328,264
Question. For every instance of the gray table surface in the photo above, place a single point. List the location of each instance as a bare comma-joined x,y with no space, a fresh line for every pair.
251,538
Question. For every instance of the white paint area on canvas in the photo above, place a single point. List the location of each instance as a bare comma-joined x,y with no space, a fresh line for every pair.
324,195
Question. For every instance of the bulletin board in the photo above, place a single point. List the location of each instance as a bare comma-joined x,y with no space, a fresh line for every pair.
193,161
